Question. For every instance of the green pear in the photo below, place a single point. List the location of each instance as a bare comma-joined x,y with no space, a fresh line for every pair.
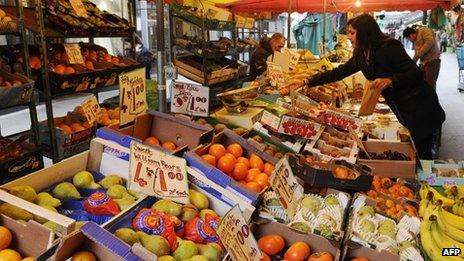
198,258
188,213
25,192
198,199
14,212
218,248
42,220
119,191
203,213
84,179
127,235
166,258
124,203
50,225
45,199
185,250
168,206
111,180
209,251
66,190
134,194
158,245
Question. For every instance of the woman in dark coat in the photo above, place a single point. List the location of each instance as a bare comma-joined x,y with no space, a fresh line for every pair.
385,62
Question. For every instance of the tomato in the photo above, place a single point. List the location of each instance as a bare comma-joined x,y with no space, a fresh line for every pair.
298,251
321,256
271,244
264,257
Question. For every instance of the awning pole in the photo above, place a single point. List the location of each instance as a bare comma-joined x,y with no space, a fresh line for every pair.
323,27
160,50
289,22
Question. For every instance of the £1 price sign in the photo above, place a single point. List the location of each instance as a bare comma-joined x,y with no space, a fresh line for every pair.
73,51
132,95
155,173
91,109
191,99
237,238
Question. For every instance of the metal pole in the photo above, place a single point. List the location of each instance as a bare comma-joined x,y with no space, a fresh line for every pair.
160,47
289,22
323,27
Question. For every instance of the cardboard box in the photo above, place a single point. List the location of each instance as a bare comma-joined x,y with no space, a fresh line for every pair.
405,169
97,240
46,178
292,144
22,240
245,119
439,173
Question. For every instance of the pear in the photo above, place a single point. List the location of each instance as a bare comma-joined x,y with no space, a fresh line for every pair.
188,213
134,194
45,199
124,203
166,258
203,213
185,250
168,206
209,251
119,191
198,258
127,235
25,192
111,180
66,190
158,245
84,179
198,199
218,248
14,212
42,220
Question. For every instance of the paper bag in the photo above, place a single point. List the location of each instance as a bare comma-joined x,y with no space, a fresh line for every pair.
369,100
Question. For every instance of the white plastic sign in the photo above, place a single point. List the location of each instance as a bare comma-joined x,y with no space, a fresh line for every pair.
91,109
155,173
191,99
132,95
73,51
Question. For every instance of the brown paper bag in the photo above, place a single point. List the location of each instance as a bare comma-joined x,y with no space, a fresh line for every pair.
369,100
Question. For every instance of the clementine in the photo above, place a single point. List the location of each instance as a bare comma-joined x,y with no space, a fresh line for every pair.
268,168
253,186
244,161
77,127
217,150
252,173
235,149
256,162
262,180
152,141
9,255
240,171
65,128
226,164
210,159
169,145
5,237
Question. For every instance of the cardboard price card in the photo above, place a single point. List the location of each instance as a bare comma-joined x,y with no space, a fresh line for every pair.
270,120
91,109
237,238
275,74
284,183
132,95
303,128
158,174
73,51
191,99
79,7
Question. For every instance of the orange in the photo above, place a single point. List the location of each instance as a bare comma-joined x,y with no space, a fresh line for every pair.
256,162
230,155
262,179
169,145
69,70
298,251
226,164
210,159
83,256
240,171
217,150
5,237
89,65
77,127
268,168
244,161
60,69
271,244
252,173
65,128
9,255
34,62
28,259
235,149
152,141
114,114
253,186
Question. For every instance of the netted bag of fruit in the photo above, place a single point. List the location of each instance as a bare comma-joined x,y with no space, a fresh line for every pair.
202,231
154,222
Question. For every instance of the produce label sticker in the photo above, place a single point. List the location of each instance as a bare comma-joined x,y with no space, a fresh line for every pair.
342,120
158,174
132,95
79,7
191,99
237,238
303,128
284,183
91,109
73,50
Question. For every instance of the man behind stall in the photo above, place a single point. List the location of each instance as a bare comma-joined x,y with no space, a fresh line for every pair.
266,48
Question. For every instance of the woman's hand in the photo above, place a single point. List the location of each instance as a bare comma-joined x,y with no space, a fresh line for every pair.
381,83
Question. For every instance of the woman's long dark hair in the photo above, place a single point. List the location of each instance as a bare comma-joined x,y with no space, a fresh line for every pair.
368,36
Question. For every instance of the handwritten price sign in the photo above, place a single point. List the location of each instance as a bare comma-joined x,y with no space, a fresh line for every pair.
158,174
303,128
275,74
74,53
132,95
189,99
91,109
284,183
79,7
237,238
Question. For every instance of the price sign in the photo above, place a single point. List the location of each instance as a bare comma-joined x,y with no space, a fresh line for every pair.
294,58
91,109
341,120
284,183
275,74
237,238
79,7
270,120
303,128
74,53
132,95
158,174
191,99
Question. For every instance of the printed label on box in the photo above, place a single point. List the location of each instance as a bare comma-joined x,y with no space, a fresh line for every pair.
303,128
74,52
191,99
91,109
158,174
270,120
132,95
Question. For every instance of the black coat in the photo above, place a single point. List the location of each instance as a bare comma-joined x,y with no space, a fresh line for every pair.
413,101
258,60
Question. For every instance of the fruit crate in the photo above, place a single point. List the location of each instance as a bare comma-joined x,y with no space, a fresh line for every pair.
207,24
192,68
20,91
9,23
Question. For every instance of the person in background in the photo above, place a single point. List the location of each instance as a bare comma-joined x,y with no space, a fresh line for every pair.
426,49
266,47
443,41
386,64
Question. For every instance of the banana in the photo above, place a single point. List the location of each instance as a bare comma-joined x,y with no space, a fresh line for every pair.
456,208
423,191
454,220
447,228
447,202
429,245
424,203
461,208
452,192
441,239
